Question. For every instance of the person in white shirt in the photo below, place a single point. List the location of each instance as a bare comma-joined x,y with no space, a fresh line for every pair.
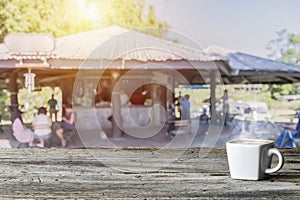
124,98
42,126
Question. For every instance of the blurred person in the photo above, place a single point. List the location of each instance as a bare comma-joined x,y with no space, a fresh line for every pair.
124,98
178,104
224,102
68,120
288,134
185,107
226,106
42,126
20,131
53,107
67,124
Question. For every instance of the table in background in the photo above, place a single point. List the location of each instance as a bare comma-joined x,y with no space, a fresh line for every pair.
132,116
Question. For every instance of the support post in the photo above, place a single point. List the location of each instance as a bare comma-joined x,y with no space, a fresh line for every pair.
67,92
13,88
116,115
213,97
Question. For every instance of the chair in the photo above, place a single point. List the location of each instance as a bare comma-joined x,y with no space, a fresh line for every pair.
179,127
289,138
67,133
296,142
22,145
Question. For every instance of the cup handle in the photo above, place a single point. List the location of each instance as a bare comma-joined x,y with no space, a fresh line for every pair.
280,161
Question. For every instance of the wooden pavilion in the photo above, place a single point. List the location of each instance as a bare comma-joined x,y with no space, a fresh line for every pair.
82,64
86,61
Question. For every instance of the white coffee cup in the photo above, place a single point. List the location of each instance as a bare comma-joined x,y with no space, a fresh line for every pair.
250,159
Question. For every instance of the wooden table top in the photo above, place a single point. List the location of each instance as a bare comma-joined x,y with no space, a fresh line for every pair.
136,173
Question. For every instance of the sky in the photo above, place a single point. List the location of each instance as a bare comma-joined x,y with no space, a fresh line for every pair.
241,25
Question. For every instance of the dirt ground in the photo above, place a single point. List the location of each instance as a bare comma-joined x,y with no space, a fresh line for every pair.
201,134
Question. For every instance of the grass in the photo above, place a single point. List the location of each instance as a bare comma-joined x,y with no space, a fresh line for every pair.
280,111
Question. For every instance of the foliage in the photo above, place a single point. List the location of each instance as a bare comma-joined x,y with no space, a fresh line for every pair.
292,54
281,111
279,45
4,101
56,17
132,14
30,102
285,48
64,17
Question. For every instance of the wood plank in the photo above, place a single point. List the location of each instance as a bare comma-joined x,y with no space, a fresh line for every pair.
136,173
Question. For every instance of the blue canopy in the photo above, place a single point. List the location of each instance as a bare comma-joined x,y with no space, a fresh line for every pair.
245,62
245,68
196,86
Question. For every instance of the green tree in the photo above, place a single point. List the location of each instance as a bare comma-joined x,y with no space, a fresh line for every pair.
132,14
285,48
278,46
4,101
292,53
55,17
64,17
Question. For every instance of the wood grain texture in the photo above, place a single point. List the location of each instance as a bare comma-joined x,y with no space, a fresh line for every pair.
136,173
